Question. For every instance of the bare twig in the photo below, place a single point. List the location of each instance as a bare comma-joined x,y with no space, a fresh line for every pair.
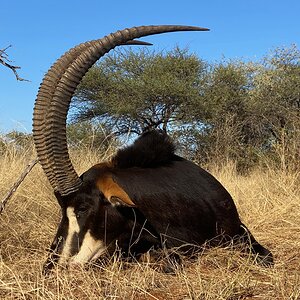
16,184
4,61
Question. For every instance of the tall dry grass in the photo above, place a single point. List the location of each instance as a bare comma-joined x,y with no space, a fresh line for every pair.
268,202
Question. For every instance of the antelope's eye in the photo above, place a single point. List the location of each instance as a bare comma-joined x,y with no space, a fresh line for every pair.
81,211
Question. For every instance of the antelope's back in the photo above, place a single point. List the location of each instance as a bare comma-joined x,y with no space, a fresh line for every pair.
181,200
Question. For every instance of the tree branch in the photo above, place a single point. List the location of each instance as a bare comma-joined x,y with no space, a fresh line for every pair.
4,61
16,184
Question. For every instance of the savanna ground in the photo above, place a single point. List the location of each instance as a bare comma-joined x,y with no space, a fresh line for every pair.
268,202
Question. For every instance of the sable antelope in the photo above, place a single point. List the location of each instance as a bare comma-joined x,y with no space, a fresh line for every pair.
145,197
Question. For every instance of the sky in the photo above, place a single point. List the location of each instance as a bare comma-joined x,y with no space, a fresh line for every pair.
40,31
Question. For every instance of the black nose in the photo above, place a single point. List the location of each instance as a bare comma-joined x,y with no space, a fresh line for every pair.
53,255
50,263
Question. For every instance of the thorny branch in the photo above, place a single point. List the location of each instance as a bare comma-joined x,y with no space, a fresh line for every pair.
6,62
16,184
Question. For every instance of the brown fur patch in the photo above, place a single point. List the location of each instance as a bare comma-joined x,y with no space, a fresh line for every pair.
113,191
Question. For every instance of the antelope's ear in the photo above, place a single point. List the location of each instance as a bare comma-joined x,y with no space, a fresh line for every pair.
113,192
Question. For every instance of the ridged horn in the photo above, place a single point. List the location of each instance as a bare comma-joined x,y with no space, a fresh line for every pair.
55,93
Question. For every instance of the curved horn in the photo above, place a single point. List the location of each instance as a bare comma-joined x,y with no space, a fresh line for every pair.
55,93
44,99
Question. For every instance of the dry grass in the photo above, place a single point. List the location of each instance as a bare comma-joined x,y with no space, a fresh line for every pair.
268,202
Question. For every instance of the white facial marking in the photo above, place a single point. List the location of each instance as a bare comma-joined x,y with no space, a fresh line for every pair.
73,228
90,249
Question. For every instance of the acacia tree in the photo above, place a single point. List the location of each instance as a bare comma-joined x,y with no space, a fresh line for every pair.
275,100
224,96
135,91
230,110
252,111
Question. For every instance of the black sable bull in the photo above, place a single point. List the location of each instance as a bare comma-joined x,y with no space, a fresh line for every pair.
145,197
